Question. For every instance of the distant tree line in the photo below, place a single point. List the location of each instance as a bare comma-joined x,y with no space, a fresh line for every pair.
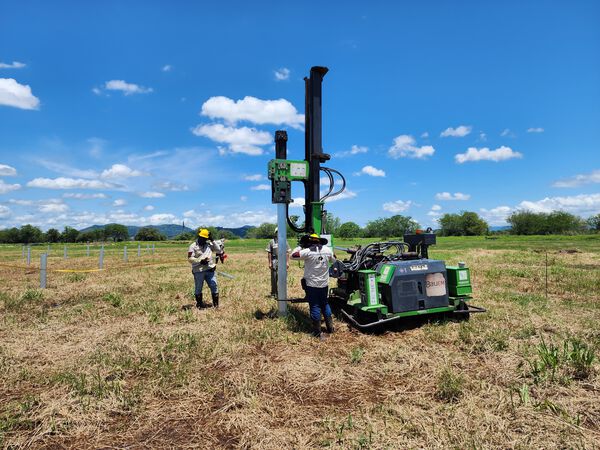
465,223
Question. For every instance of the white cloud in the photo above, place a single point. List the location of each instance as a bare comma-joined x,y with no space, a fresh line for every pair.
496,216
119,202
96,146
482,136
207,218
343,196
243,198
297,202
252,109
425,135
52,206
436,207
449,196
507,133
148,208
397,206
17,95
347,194
282,74
79,196
354,150
240,140
460,131
64,169
372,171
404,146
535,130
167,68
151,194
70,183
5,187
13,65
583,204
7,171
159,219
254,177
261,187
121,171
170,186
485,154
21,202
126,88
579,180
433,213
4,212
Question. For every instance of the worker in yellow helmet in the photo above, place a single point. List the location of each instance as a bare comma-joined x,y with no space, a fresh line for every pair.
201,255
316,256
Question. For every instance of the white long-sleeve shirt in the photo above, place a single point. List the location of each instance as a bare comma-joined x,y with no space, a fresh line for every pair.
316,264
206,252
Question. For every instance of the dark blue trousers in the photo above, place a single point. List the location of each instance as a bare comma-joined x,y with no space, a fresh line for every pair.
318,302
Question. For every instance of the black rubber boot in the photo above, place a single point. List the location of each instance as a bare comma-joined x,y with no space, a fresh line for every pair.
316,326
199,303
215,299
329,324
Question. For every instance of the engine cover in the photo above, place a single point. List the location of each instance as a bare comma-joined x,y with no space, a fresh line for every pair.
413,285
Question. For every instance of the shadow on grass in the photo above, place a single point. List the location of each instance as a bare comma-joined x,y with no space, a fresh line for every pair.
296,319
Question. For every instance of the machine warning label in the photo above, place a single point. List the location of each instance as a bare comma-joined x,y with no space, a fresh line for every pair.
435,284
463,275
298,170
418,267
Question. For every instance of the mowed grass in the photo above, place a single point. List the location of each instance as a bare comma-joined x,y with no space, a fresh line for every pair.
116,359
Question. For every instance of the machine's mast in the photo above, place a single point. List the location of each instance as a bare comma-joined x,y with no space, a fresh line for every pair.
313,149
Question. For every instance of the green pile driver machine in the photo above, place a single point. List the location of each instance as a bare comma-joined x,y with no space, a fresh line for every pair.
379,282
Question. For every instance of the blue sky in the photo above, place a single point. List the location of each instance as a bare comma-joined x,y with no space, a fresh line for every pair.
157,112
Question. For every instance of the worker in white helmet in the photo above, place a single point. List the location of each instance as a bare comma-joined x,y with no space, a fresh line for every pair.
201,255
272,248
317,257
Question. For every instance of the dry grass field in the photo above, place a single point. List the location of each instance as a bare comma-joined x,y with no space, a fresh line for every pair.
114,359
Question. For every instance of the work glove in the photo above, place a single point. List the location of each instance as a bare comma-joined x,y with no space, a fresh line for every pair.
204,261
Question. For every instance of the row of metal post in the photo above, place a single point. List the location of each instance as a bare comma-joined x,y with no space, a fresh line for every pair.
44,259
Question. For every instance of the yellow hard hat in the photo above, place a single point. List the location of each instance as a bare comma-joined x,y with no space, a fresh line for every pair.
203,233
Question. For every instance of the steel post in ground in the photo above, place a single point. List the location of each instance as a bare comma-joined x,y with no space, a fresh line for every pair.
281,259
101,258
29,255
43,271
153,248
48,251
139,250
125,253
22,253
65,256
88,249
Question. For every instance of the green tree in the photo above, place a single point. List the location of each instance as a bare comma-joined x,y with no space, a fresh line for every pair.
561,222
116,232
332,224
467,223
394,226
149,234
69,234
52,235
263,231
185,236
349,230
594,222
527,222
29,234
10,236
